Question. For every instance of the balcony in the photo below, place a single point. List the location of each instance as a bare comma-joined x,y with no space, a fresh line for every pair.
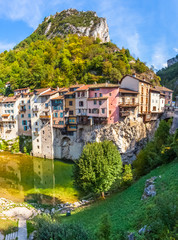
45,116
124,113
35,109
128,104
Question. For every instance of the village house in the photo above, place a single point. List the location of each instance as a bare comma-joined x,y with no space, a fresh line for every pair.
103,103
9,118
42,134
143,88
168,94
128,103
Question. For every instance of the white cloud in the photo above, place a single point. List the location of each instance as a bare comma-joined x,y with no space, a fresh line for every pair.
123,23
159,56
176,50
27,10
6,46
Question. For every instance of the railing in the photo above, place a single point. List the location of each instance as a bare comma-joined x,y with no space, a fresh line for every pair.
45,116
128,104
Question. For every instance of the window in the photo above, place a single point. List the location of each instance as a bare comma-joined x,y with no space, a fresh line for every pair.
12,111
70,103
28,107
22,115
95,94
95,102
46,105
103,110
89,110
101,94
36,123
100,102
72,120
71,113
61,115
81,103
78,94
12,104
54,122
29,115
73,127
24,122
110,112
55,114
25,128
61,122
110,94
79,111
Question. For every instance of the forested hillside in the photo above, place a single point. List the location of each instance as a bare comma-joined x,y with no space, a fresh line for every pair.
66,61
169,77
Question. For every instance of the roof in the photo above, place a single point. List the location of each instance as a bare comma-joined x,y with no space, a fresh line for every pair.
104,85
125,90
40,90
48,93
76,86
164,89
20,89
9,99
83,88
57,98
99,98
69,93
154,90
140,80
5,115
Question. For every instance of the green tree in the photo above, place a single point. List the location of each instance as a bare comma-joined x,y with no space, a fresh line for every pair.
98,168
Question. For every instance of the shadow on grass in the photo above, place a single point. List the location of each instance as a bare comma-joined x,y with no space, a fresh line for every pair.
42,199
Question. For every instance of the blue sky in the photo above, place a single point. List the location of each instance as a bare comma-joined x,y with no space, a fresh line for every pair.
147,27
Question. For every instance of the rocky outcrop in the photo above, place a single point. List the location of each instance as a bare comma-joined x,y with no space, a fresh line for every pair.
172,61
72,21
129,136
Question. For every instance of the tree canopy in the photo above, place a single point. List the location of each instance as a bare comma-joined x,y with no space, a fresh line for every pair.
64,61
98,168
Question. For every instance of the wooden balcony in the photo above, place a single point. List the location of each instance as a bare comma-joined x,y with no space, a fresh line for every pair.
45,117
128,104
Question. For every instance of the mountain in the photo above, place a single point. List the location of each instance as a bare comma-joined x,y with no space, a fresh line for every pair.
169,77
51,56
71,21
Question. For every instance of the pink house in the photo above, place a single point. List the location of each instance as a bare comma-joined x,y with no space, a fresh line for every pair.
103,103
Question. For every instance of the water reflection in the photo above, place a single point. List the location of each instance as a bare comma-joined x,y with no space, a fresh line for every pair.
25,178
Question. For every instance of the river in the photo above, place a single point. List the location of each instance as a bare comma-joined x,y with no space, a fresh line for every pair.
28,179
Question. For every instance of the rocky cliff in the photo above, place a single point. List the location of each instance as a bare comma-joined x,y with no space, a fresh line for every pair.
130,137
72,21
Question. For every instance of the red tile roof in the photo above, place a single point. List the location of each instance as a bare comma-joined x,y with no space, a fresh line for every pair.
104,85
49,93
83,88
57,98
10,99
164,89
154,90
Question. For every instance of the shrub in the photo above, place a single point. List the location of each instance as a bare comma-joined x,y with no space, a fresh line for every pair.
49,229
104,230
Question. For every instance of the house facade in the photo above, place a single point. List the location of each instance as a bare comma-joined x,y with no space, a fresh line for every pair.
168,94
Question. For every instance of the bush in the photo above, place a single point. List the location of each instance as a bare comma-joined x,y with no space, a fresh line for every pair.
104,230
49,229
163,149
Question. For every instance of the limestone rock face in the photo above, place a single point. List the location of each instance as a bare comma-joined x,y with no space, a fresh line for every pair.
129,137
72,21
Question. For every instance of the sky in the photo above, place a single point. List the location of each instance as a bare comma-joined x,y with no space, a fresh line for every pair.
148,28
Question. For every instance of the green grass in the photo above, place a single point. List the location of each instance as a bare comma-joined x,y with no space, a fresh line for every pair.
126,209
8,226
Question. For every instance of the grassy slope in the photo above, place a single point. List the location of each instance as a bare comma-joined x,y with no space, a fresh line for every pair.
127,208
